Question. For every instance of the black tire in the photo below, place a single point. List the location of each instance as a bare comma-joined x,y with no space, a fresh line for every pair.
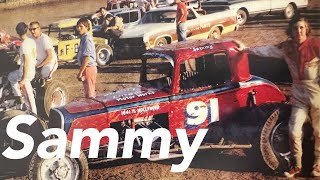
242,17
215,33
104,55
289,11
160,42
19,166
69,168
274,139
53,94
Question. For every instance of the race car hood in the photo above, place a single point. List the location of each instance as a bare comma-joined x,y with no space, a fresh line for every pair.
141,30
121,97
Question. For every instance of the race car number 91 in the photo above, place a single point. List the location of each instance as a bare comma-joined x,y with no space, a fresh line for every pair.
198,111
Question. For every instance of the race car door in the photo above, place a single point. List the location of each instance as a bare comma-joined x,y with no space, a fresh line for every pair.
201,81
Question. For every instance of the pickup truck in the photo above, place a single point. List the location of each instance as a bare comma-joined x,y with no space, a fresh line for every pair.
190,86
252,8
158,27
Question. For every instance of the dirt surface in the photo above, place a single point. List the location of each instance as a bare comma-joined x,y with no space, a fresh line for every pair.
227,164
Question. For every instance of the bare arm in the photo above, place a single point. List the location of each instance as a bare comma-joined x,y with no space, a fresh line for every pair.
85,62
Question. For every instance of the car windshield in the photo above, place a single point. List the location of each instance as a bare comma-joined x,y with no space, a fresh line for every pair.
62,33
157,72
159,17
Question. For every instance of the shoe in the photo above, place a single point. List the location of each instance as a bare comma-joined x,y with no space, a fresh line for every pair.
316,171
292,172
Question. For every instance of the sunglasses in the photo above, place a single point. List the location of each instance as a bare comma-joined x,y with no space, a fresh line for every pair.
33,29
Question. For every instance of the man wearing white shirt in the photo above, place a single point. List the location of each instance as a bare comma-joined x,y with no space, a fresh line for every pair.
20,79
47,62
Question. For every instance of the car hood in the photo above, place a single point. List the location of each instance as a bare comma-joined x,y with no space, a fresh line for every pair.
127,96
141,30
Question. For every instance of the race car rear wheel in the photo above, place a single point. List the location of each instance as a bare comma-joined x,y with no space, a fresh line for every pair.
103,53
160,42
59,168
53,94
274,139
215,33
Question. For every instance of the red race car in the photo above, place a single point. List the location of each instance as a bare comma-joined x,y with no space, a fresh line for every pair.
185,88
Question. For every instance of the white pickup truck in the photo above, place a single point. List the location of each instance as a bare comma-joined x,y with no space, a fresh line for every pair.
251,8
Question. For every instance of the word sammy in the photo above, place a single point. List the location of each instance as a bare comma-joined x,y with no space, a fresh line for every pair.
61,141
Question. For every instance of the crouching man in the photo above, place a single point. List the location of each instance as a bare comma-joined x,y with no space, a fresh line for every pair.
47,62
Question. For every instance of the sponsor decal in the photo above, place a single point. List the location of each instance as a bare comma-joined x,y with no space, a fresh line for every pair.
144,109
122,96
200,48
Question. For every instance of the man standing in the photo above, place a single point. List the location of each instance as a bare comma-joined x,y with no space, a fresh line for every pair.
302,55
47,62
21,78
181,18
87,59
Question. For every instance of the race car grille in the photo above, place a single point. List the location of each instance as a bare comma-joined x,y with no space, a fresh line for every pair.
55,119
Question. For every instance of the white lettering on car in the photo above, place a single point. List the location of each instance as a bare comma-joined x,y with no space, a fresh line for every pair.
140,110
200,48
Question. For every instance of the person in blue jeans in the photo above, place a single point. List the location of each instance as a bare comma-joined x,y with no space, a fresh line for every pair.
181,19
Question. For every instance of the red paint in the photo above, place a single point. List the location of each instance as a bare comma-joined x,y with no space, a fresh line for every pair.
128,103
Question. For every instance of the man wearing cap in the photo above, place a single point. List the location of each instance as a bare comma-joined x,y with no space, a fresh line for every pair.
181,18
20,79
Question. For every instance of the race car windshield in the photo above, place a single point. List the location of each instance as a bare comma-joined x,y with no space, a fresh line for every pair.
157,73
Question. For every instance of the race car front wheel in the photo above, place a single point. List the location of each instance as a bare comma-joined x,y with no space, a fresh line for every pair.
59,168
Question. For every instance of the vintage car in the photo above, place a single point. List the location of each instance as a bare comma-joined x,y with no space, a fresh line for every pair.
66,42
191,85
158,27
130,17
251,8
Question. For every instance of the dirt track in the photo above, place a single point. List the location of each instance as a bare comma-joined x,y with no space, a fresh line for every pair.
231,164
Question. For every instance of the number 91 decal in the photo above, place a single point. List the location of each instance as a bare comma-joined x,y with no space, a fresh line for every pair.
198,111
